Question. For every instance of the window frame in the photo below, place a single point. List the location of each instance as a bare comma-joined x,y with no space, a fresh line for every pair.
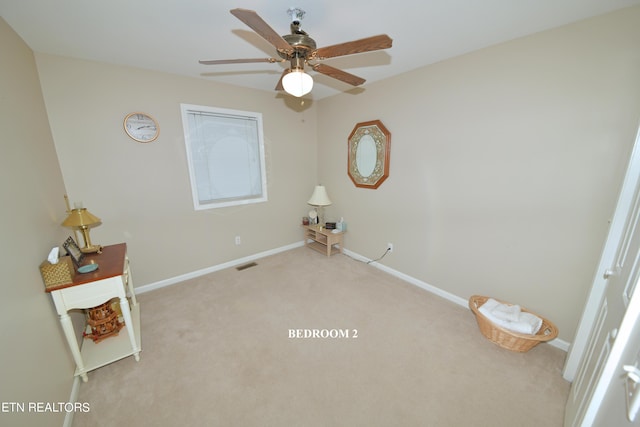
254,120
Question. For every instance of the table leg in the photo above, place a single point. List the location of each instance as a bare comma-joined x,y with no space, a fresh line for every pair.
67,327
130,283
128,322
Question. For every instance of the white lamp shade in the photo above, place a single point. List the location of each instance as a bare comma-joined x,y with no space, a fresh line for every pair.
319,197
297,83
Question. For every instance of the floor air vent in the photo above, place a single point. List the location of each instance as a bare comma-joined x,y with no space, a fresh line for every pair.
245,266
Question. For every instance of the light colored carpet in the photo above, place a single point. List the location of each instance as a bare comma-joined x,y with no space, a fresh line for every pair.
217,352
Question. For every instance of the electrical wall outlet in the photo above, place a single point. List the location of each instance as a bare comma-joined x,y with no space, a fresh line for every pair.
390,247
238,240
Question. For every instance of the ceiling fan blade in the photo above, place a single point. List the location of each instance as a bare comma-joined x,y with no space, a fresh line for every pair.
368,44
338,74
279,84
257,24
239,61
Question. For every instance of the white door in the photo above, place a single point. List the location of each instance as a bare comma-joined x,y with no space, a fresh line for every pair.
594,373
621,400
626,198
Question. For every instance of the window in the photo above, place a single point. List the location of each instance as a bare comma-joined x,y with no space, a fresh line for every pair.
225,152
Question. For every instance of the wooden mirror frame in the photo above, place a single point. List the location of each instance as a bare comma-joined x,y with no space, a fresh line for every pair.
381,137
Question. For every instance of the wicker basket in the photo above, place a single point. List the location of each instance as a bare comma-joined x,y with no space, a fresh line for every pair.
508,339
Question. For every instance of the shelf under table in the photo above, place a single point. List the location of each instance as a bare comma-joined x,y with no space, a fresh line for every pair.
322,248
111,349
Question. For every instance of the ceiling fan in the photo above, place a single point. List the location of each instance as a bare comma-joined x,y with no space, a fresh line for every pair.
300,49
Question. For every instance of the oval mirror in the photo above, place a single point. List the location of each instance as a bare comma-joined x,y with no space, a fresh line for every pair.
369,146
366,156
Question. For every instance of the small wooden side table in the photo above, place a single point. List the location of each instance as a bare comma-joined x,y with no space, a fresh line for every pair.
110,280
323,240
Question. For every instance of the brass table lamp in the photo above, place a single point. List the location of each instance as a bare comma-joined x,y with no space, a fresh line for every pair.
81,219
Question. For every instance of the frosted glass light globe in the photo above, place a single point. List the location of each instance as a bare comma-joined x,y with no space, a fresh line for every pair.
297,83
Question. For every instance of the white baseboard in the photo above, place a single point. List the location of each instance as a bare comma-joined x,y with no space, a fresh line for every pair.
202,272
73,397
412,280
558,343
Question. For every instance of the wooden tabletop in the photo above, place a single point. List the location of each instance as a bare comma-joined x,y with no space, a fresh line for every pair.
110,264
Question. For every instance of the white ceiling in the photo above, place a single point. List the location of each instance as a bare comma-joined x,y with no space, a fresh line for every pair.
172,35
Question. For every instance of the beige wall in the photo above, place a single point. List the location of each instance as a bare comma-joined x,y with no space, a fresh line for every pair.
35,363
142,191
505,164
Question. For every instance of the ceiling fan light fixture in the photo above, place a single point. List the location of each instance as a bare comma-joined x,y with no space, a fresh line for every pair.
299,48
297,83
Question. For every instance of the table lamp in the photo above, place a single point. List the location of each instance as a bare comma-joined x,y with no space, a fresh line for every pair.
319,198
81,219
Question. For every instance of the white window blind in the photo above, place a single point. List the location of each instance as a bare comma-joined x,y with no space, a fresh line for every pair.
225,152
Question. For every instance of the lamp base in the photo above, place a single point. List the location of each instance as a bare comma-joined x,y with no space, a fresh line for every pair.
91,249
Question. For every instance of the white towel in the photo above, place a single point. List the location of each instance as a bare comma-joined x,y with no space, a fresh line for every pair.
526,323
507,312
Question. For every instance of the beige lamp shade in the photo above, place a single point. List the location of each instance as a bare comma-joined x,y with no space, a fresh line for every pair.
81,218
319,197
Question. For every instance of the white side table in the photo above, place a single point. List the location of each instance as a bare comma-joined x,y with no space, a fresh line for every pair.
110,280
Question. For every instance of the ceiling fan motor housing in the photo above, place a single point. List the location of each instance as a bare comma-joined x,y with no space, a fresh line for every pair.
303,46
